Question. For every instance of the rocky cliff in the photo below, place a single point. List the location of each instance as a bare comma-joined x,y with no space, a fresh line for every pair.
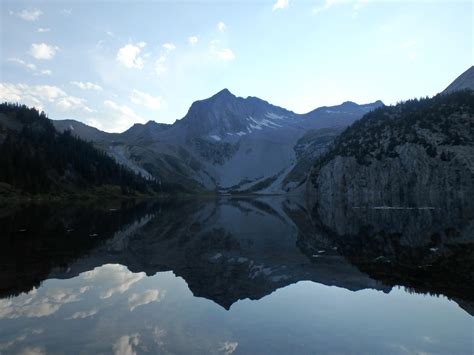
416,154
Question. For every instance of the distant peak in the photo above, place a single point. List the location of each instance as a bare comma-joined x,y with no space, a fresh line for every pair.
224,93
348,104
151,123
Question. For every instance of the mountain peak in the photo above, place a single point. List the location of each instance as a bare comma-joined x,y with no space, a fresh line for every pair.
223,93
349,104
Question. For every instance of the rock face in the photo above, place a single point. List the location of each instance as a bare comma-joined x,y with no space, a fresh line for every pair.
411,179
227,144
415,154
464,81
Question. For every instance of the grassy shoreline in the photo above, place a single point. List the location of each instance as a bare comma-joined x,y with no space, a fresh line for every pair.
10,195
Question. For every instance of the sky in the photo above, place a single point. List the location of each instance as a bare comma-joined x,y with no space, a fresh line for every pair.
111,64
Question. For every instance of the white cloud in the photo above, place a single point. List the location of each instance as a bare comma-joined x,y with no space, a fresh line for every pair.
43,51
144,99
17,340
160,64
30,66
225,54
83,314
125,118
32,350
136,299
221,26
86,85
193,40
159,336
30,14
94,122
117,278
129,55
326,5
35,304
40,308
280,4
69,103
228,347
66,12
126,345
43,30
356,5
169,47
39,95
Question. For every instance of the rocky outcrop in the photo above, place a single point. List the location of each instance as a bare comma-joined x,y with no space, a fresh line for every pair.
416,154
412,179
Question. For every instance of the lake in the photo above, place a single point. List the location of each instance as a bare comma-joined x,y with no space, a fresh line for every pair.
235,276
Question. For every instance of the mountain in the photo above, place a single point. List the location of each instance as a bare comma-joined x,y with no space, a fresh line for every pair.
225,115
142,133
419,153
82,130
464,81
37,159
341,115
228,144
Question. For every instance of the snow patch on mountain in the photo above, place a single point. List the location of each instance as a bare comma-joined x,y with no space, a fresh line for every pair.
274,116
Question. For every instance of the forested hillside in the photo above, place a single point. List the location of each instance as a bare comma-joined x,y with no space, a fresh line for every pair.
37,159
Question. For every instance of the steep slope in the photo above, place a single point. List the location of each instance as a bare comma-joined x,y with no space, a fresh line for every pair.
230,144
464,81
143,133
415,154
35,158
224,115
83,131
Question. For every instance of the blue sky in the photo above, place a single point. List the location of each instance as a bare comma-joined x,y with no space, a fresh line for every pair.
113,63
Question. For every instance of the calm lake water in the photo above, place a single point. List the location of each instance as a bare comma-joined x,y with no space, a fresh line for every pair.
235,276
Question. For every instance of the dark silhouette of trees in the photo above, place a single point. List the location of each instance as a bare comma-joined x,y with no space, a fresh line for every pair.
35,158
419,121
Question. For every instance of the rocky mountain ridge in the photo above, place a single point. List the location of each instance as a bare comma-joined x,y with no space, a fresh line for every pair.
226,144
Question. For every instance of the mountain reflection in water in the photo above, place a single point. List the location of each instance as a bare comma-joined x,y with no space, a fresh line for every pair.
97,264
